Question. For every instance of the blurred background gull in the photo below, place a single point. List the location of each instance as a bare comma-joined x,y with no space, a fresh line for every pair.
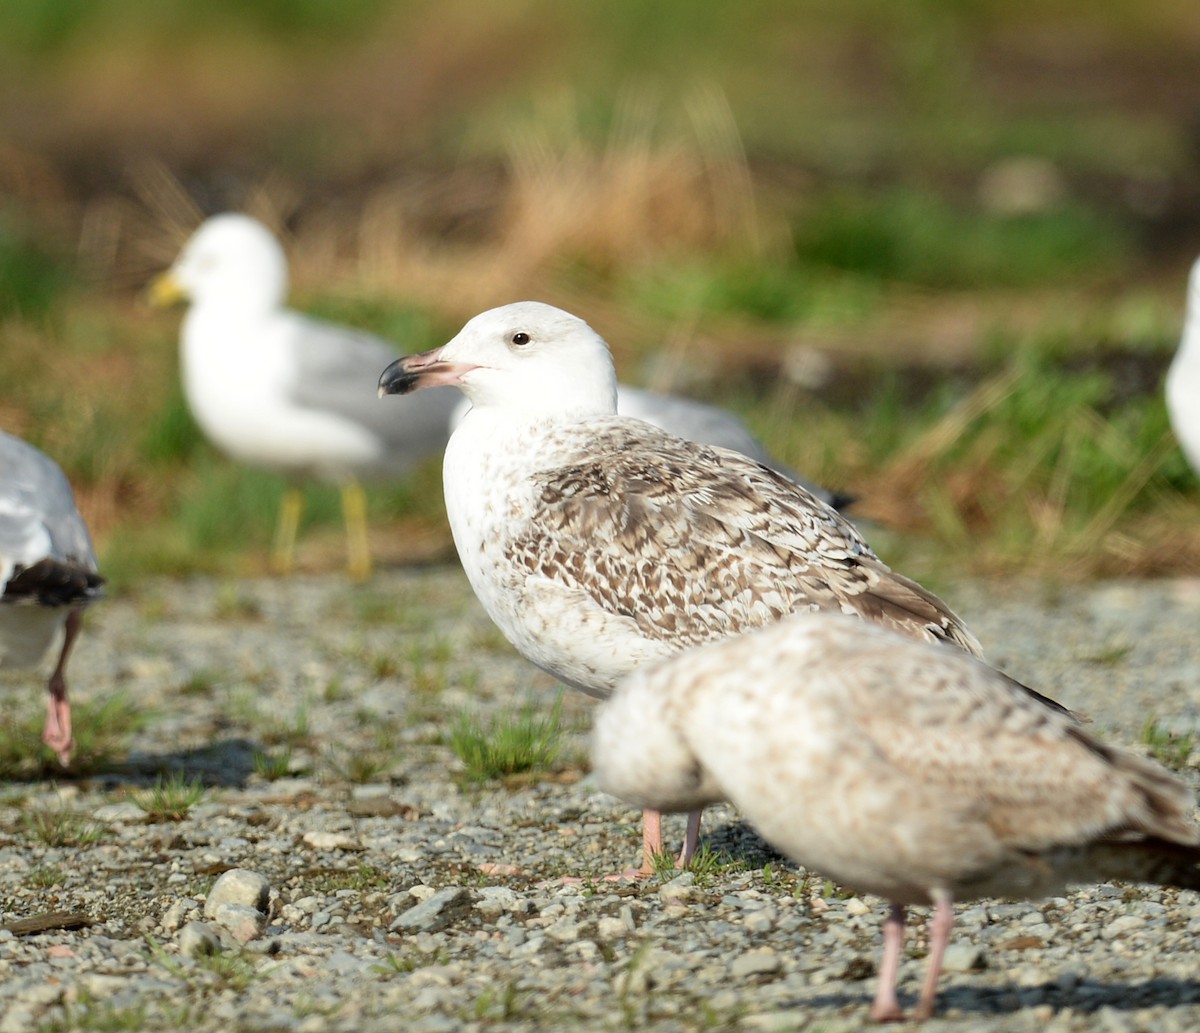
932,254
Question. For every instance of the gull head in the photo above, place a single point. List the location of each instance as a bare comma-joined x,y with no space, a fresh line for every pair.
527,357
233,261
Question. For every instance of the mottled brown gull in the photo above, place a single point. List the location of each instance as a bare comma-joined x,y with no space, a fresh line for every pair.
598,543
47,574
897,767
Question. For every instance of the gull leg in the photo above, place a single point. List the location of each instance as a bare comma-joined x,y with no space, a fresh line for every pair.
691,839
283,552
652,839
940,926
57,734
886,1008
358,548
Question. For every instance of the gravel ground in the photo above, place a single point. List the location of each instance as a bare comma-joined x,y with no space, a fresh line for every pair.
376,890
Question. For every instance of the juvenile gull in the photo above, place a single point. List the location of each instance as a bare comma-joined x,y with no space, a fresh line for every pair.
277,389
598,543
47,572
1183,378
896,767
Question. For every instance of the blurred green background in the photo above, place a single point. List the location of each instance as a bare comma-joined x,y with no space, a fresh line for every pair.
933,252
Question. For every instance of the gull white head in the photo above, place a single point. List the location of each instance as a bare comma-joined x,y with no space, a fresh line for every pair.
232,261
526,357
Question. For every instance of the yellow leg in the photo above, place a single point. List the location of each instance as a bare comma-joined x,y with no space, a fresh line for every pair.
283,553
358,548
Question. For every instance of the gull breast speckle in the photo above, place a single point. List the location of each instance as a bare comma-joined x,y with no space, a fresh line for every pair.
896,767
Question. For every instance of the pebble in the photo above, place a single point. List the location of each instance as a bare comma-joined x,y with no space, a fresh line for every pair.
238,886
434,912
372,918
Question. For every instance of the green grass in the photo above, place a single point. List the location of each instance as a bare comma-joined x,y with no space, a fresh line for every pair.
59,825
273,764
916,236
526,741
1168,747
171,798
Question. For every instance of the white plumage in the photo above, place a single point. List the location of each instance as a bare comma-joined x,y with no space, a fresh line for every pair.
897,767
1183,378
277,389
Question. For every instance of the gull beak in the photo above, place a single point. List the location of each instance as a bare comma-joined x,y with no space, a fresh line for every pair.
164,291
429,369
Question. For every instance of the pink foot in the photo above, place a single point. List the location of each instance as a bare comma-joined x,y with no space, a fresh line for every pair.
57,734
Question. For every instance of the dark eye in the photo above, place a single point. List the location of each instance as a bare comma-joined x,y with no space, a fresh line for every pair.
520,337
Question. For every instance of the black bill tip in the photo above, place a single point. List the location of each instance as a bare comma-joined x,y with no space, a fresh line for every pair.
396,380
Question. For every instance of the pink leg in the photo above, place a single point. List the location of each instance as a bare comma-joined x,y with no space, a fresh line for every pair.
57,734
940,926
691,839
652,839
886,1008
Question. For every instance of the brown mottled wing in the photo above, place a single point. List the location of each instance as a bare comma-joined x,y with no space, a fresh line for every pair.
697,543
1030,772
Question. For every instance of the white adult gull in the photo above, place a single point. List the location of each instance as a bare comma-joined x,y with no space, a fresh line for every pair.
47,574
896,767
598,543
1183,377
277,389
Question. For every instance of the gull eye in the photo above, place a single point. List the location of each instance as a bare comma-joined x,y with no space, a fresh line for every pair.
520,338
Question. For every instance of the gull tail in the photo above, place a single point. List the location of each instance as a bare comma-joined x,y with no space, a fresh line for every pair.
51,582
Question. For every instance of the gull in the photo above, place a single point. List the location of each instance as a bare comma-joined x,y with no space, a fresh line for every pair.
896,767
1183,377
47,572
277,389
599,543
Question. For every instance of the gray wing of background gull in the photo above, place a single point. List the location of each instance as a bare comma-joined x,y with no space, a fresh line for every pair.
700,422
336,372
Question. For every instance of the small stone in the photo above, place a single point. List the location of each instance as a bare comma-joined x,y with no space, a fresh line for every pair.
755,963
679,890
962,957
609,928
760,921
180,913
197,939
239,886
1123,925
244,923
495,900
319,840
854,906
564,931
434,913
124,813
